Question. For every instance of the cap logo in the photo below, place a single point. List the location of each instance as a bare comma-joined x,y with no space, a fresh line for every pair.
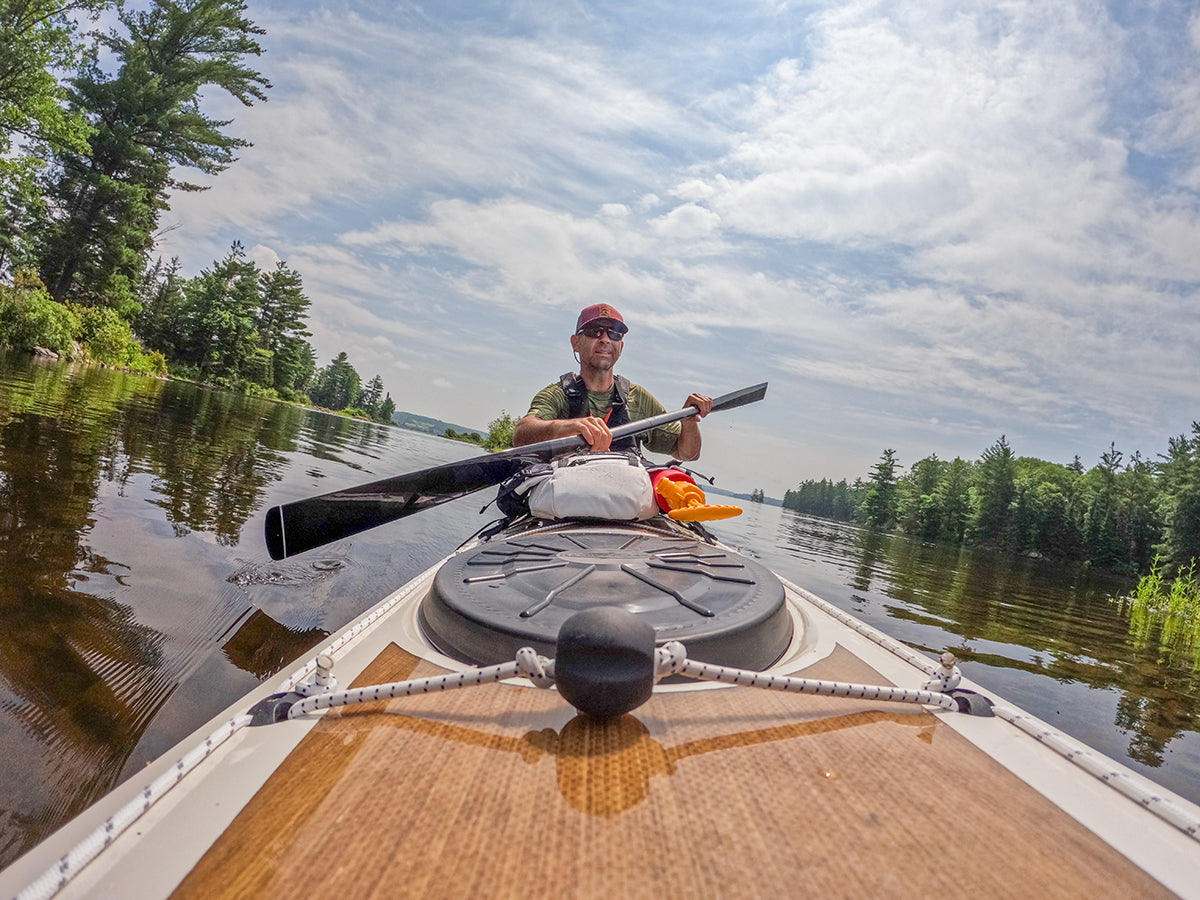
604,312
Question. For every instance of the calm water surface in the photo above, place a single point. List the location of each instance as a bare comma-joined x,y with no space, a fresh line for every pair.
138,600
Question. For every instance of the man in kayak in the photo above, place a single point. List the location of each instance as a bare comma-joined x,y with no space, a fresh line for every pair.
596,401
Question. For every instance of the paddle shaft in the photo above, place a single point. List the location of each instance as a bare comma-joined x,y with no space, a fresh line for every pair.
304,524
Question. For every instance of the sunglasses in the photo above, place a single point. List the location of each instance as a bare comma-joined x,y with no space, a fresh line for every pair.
594,331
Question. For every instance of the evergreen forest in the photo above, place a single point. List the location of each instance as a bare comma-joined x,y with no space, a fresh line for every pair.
1128,514
98,127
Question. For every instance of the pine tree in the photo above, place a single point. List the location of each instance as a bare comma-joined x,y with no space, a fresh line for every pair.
1180,501
159,324
337,385
386,408
146,120
281,320
370,396
37,39
995,489
217,321
879,505
952,500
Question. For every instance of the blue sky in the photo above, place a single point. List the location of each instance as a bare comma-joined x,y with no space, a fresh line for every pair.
925,224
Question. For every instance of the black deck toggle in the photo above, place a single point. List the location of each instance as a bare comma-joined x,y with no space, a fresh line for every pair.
604,665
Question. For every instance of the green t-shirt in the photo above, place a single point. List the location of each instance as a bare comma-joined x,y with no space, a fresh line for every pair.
551,403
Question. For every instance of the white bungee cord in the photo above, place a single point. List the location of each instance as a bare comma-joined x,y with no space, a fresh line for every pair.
670,659
528,664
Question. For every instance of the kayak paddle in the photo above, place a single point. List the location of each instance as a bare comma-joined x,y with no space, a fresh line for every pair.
304,524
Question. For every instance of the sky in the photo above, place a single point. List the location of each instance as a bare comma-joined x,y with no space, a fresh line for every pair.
926,225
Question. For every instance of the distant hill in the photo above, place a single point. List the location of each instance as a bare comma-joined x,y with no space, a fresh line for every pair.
426,425
713,489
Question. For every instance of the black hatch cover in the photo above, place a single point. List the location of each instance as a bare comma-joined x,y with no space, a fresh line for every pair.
489,601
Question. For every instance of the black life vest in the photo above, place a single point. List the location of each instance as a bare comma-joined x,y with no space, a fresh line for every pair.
577,405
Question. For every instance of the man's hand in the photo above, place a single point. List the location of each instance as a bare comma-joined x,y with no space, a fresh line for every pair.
595,431
701,402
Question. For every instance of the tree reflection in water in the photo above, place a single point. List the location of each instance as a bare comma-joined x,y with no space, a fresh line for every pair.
114,490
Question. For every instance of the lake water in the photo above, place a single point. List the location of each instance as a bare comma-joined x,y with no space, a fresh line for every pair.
138,599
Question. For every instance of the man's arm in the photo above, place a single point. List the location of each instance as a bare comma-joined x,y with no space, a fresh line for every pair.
531,430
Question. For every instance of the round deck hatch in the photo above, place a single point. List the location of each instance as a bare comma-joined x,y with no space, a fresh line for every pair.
489,601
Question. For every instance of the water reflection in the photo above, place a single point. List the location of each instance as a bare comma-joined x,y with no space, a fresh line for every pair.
133,609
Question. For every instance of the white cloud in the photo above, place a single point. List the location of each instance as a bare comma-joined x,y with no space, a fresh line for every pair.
687,223
937,217
263,257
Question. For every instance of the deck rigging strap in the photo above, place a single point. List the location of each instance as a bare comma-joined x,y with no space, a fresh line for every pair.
528,664
670,659
58,876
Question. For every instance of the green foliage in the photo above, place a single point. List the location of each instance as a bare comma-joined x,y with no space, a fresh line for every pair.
1139,523
499,436
107,335
337,385
879,504
38,38
29,318
386,409
1167,611
1113,515
467,437
239,385
232,325
1179,505
1046,505
823,498
993,492
916,504
280,318
126,117
213,324
294,396
21,208
152,363
951,502
182,371
371,396
146,120
500,432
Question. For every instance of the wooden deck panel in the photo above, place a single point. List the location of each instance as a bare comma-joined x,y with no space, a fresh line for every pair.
500,790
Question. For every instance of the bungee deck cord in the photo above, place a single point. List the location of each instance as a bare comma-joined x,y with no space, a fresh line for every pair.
671,659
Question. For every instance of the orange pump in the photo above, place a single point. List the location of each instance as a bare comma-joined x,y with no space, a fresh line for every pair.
681,499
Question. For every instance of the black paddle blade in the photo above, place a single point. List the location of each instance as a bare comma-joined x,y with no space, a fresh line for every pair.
745,396
304,524
295,527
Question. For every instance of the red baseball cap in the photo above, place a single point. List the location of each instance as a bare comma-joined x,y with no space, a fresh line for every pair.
600,311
